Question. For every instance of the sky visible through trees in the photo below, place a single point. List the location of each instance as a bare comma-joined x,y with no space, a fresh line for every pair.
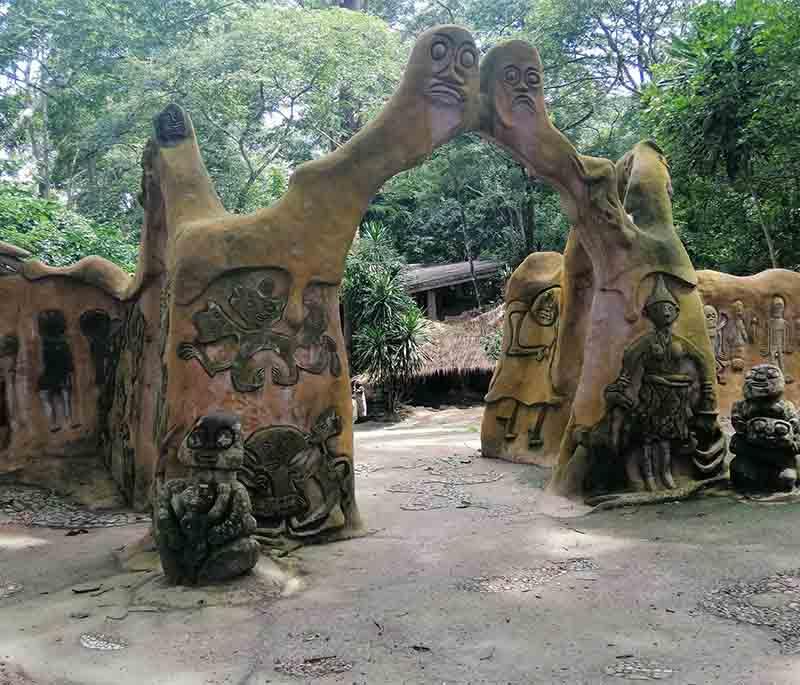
273,84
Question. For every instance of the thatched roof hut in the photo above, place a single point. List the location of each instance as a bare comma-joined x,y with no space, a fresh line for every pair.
455,346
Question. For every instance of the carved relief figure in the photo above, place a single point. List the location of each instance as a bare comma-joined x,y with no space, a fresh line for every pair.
96,326
57,379
650,410
740,337
246,308
204,524
298,484
715,326
767,438
9,346
778,340
531,332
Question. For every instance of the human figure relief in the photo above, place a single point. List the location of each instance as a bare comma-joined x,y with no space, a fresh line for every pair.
626,244
56,382
778,338
9,347
715,327
253,307
740,337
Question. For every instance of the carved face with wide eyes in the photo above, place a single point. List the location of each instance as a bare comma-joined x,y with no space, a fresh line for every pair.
511,80
454,63
214,442
764,380
545,309
778,307
711,317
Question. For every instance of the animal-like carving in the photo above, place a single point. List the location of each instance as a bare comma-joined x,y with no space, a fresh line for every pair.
204,523
298,484
767,438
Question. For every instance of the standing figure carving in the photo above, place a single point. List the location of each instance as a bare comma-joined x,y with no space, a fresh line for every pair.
204,524
522,421
56,382
778,338
96,326
9,347
716,323
740,337
651,412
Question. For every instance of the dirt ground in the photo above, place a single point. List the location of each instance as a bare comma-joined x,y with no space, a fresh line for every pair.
469,574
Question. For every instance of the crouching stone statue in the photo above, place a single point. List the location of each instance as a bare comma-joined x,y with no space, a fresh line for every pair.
204,523
767,438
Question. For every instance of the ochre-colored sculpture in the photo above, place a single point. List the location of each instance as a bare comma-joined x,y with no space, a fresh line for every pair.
715,326
628,257
766,443
760,326
251,303
525,417
203,524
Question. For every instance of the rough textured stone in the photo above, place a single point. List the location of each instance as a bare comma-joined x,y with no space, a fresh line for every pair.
624,235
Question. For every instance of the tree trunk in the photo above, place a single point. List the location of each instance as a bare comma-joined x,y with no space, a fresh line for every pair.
773,257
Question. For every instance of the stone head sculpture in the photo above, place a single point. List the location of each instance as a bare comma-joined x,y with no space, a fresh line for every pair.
214,443
661,306
764,381
712,319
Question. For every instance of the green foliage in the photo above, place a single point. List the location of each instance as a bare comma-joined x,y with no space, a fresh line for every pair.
389,329
492,344
727,109
56,235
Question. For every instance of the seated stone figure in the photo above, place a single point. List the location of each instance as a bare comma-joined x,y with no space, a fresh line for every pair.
204,523
767,438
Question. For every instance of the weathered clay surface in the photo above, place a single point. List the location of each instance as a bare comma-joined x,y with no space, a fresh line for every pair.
525,417
51,395
631,247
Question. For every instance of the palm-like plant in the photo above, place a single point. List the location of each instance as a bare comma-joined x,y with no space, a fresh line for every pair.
389,329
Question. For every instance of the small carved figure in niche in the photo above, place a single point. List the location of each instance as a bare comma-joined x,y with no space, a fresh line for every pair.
96,326
767,438
57,379
298,484
204,524
740,337
650,414
243,311
715,326
9,346
778,342
532,331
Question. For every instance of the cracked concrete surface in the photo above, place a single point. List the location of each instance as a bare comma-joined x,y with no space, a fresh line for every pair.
561,598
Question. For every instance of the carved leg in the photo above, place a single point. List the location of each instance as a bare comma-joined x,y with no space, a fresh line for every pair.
66,400
49,410
665,450
535,434
646,464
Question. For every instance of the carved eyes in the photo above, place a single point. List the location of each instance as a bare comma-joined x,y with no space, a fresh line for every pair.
198,439
467,54
512,75
469,58
439,50
532,78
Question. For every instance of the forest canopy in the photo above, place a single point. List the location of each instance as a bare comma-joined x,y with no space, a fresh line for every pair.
271,84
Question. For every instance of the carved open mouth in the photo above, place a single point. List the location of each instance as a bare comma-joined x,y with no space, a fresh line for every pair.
446,92
523,100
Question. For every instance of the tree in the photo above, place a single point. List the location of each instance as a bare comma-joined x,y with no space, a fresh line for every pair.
727,109
389,328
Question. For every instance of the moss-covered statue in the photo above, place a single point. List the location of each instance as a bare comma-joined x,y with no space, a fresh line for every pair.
766,443
622,225
204,523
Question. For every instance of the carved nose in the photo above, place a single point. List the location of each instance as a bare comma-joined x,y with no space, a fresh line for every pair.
293,314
